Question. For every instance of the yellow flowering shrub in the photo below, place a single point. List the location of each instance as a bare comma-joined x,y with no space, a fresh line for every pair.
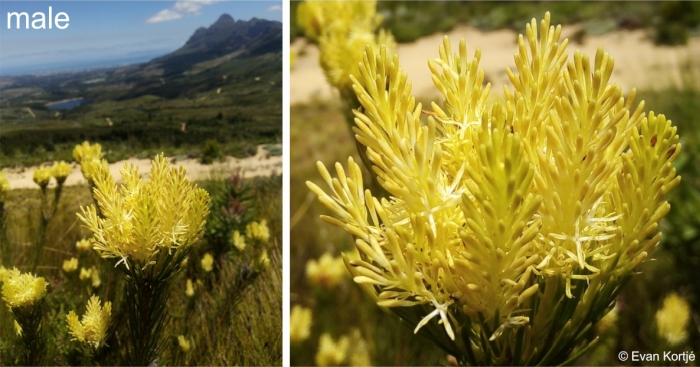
512,222
144,221
92,328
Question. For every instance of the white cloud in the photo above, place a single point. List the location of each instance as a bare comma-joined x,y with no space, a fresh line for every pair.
274,8
164,16
179,10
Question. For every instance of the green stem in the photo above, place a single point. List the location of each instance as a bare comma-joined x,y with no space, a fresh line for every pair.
146,316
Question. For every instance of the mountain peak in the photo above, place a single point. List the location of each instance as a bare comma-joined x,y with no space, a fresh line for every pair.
225,19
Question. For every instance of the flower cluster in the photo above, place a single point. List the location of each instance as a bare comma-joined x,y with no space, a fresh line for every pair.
42,176
327,271
70,265
330,352
21,290
142,220
672,319
89,157
300,324
497,213
92,329
341,39
257,231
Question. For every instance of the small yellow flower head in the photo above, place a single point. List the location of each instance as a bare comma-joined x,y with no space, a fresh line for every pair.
95,277
87,152
60,171
183,263
207,262
19,290
92,330
327,271
264,260
300,324
141,219
672,319
4,187
71,265
85,274
184,343
331,353
42,176
83,245
189,289
238,240
258,231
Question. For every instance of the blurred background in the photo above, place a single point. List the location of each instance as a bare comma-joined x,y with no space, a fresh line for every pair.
656,47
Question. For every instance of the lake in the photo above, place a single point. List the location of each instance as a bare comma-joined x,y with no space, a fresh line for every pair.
66,105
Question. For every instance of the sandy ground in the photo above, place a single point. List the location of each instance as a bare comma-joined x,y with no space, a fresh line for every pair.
262,164
638,62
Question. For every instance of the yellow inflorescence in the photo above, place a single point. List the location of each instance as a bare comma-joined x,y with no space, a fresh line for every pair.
89,157
672,319
42,176
184,343
330,352
92,329
238,240
300,324
83,245
60,171
563,180
141,219
258,231
207,262
4,187
341,39
70,265
327,271
20,290
189,288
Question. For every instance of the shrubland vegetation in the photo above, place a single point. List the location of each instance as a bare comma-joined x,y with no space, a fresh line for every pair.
223,309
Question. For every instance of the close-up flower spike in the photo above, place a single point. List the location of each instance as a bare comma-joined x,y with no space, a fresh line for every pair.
490,207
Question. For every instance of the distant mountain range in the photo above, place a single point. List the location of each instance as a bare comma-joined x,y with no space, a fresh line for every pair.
225,37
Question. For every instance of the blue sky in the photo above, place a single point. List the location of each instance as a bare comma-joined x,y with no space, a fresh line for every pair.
111,33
